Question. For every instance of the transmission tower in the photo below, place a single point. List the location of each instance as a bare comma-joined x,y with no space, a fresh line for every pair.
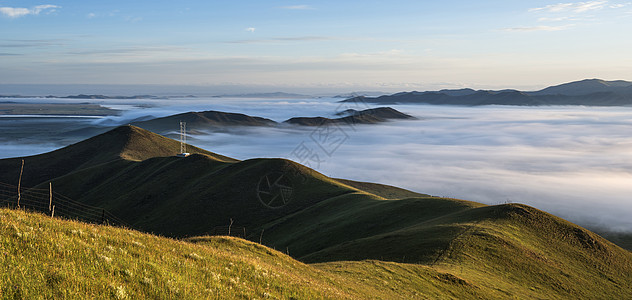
183,140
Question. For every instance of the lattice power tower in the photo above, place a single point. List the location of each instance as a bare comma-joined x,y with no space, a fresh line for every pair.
183,140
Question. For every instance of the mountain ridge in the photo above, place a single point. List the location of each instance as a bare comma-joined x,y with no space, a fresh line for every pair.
589,92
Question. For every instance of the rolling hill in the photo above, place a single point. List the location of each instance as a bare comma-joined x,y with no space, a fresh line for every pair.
498,251
202,120
206,120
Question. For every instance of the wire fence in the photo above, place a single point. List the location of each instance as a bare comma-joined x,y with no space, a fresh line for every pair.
55,205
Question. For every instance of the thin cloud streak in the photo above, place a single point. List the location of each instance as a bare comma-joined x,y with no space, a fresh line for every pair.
284,39
298,7
16,12
577,7
23,43
539,28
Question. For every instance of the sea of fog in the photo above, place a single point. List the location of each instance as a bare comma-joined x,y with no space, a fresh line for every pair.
575,162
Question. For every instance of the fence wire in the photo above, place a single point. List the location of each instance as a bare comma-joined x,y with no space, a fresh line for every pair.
58,205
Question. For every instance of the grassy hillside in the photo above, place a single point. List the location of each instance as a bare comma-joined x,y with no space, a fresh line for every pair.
50,258
42,257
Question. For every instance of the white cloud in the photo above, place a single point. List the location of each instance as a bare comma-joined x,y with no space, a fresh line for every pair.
620,5
539,28
251,29
91,15
558,19
298,7
577,7
283,39
16,12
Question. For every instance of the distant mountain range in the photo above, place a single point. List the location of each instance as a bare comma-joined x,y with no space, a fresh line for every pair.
589,92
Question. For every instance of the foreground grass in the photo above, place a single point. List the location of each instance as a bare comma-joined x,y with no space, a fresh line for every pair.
46,258
41,257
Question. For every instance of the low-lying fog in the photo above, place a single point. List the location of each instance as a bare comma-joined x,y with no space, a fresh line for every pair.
575,162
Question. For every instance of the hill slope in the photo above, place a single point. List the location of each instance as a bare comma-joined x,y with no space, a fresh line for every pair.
79,261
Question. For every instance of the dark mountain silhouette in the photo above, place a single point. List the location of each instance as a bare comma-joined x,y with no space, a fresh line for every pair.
368,116
216,119
588,86
590,92
202,120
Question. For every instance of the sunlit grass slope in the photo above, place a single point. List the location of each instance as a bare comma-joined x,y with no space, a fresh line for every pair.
50,258
42,257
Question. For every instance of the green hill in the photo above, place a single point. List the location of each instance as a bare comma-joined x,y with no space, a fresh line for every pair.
507,250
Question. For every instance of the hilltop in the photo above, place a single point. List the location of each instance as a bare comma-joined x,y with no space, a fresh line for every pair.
127,143
203,120
367,116
589,92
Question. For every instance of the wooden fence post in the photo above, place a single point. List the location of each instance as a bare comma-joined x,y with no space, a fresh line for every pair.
50,192
52,213
20,183
229,226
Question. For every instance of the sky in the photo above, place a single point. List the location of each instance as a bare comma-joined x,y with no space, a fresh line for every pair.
339,45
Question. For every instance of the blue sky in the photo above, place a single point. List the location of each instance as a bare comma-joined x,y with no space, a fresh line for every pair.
375,45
